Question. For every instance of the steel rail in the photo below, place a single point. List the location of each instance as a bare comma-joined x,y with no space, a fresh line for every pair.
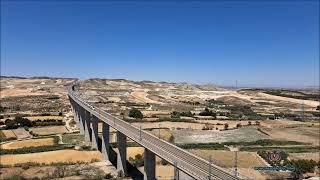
195,166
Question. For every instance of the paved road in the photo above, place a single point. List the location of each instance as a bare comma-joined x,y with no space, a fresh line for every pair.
195,166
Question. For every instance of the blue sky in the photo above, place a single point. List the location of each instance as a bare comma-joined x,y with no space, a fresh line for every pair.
258,44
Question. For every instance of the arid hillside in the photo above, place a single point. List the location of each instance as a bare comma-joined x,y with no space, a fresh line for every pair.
37,124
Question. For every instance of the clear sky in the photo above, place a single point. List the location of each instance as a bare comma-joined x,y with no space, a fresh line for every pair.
257,43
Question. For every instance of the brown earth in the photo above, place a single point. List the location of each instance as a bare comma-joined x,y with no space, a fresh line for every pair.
27,143
51,156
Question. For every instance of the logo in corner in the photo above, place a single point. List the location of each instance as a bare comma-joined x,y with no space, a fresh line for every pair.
274,156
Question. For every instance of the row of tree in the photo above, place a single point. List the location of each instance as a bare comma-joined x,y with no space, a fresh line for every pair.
19,121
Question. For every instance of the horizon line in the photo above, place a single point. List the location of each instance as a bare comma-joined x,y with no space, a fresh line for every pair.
317,87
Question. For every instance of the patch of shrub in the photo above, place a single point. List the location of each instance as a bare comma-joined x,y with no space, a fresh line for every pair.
176,114
164,162
208,112
137,161
171,139
135,113
212,146
302,165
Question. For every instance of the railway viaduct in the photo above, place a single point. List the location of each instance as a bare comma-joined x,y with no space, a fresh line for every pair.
187,165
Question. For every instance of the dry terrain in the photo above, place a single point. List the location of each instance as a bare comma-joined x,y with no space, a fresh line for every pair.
77,171
45,98
27,143
303,134
227,158
170,125
49,130
8,133
297,156
51,156
246,161
33,118
21,133
244,134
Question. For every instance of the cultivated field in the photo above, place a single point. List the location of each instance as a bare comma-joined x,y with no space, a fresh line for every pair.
27,143
170,125
33,118
7,133
21,133
49,130
297,156
296,133
51,156
164,133
244,134
227,158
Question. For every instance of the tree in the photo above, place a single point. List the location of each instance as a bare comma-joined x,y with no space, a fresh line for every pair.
10,124
318,108
23,121
226,126
249,123
135,113
239,125
207,112
175,115
171,139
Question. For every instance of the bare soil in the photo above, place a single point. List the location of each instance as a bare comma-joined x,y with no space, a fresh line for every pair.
49,130
27,143
51,156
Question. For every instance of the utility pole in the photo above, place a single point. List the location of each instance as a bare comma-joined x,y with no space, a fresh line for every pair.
236,84
236,163
176,171
140,133
302,111
210,165
159,130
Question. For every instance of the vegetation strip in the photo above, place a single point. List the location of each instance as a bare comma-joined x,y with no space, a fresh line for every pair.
27,150
296,149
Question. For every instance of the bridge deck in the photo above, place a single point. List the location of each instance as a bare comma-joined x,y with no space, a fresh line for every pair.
189,163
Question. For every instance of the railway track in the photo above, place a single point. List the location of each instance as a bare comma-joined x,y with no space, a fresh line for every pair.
195,166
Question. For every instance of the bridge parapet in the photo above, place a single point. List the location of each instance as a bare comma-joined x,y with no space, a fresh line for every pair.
188,163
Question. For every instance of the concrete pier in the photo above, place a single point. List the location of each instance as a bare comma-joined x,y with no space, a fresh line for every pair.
180,175
87,130
149,165
94,134
122,155
82,121
105,141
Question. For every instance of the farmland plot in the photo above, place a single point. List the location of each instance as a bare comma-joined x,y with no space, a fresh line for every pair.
49,130
28,143
245,134
21,133
51,156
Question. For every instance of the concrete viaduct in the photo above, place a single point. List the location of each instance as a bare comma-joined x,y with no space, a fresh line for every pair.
187,165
